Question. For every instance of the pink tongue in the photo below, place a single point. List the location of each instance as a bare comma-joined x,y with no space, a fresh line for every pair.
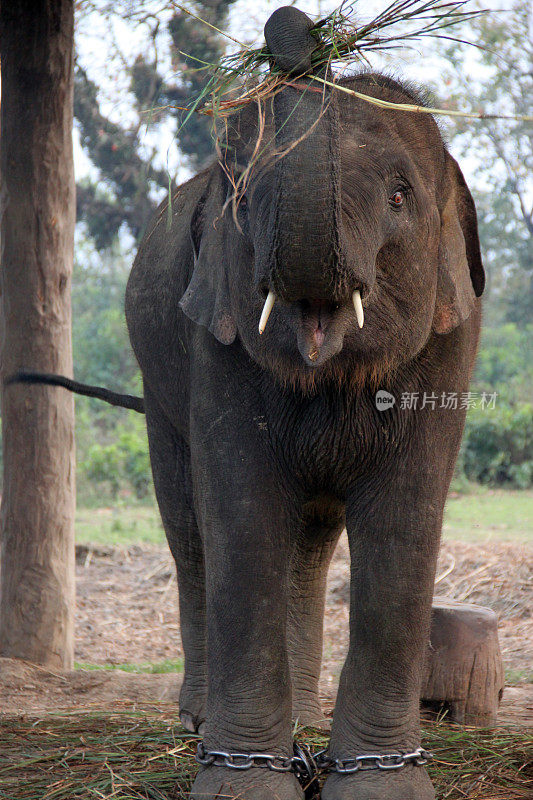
315,323
318,337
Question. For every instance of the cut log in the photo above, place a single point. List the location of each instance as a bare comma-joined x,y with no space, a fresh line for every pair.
464,670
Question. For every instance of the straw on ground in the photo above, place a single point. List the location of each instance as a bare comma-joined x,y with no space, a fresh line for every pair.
147,755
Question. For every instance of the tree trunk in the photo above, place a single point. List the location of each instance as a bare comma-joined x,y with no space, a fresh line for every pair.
37,206
463,672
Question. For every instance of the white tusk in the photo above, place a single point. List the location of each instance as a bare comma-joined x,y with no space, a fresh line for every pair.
357,304
267,308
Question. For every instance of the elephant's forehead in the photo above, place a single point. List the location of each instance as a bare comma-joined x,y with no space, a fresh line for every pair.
364,156
387,135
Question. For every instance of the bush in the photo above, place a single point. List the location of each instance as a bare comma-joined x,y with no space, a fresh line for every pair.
503,363
135,465
498,446
119,466
102,465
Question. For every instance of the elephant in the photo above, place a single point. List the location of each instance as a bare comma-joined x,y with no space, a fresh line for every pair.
264,322
328,255
354,248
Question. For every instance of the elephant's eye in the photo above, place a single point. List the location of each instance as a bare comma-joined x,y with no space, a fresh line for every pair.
396,199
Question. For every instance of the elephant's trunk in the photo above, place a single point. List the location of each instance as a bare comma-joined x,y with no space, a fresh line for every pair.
305,253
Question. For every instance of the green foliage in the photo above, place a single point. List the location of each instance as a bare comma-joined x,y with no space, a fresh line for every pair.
504,363
102,466
102,352
498,446
135,461
123,465
120,467
112,448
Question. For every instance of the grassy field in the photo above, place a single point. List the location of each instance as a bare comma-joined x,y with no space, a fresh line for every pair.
119,525
490,514
157,668
478,517
126,755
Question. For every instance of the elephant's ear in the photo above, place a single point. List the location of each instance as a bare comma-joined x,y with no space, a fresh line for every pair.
460,277
206,300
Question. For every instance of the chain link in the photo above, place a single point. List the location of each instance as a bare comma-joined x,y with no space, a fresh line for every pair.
307,765
302,764
383,761
219,758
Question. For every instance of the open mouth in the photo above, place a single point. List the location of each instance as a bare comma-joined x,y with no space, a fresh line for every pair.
320,329
316,317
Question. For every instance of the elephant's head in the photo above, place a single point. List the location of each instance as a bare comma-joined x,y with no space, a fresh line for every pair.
354,220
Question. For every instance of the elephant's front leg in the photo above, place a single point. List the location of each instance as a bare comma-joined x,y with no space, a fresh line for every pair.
245,526
311,557
394,536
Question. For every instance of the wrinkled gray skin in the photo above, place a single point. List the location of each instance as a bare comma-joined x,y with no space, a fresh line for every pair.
261,454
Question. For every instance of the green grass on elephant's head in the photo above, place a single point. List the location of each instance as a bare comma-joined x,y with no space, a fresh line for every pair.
157,668
119,526
489,515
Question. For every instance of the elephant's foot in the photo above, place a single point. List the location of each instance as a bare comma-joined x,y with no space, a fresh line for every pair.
253,784
192,706
409,783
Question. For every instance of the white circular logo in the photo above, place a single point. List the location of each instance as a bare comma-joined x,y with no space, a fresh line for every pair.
384,400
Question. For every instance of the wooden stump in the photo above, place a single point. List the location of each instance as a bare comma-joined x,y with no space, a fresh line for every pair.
464,670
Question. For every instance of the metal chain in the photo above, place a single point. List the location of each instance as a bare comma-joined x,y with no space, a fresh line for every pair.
306,765
302,764
384,761
219,758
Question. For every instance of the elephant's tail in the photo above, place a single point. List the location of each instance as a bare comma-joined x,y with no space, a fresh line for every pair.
115,399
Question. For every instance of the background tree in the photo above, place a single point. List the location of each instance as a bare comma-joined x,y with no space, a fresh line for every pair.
503,149
498,447
129,186
37,211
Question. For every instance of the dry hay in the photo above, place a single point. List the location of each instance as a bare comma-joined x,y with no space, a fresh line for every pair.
126,756
127,608
498,575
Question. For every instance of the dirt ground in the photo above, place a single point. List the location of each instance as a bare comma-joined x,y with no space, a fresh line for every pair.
127,612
